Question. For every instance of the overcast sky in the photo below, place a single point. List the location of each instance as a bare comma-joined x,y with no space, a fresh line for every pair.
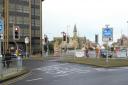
90,16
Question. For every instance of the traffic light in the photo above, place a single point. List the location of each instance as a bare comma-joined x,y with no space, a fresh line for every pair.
64,37
46,39
96,39
16,34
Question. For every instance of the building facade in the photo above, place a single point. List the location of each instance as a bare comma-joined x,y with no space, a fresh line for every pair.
27,15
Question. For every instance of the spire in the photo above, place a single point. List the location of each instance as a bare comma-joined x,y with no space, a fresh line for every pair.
75,29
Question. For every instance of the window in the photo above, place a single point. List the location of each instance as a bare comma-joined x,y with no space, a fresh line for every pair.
26,9
37,2
19,8
11,19
37,22
1,8
33,22
19,20
33,1
12,7
37,33
26,20
37,12
26,32
33,11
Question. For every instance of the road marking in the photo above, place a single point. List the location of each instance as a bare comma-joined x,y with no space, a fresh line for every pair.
51,66
34,79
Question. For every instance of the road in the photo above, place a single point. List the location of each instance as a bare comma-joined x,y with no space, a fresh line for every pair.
55,73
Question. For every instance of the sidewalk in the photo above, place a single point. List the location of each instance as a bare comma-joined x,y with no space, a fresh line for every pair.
11,73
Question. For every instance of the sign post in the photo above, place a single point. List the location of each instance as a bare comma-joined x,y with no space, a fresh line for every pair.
107,36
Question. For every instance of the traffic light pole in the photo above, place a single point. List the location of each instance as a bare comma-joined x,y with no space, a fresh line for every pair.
0,60
0,49
16,45
47,49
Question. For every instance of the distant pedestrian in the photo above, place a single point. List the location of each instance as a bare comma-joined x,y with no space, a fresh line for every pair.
97,52
8,58
86,51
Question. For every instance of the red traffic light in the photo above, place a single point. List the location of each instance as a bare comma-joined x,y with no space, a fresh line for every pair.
16,29
16,33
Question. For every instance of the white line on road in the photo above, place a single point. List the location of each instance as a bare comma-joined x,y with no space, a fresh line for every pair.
34,79
51,66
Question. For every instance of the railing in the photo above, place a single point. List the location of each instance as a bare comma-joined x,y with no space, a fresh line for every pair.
92,54
10,67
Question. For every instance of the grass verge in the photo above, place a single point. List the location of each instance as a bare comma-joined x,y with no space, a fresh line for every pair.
98,62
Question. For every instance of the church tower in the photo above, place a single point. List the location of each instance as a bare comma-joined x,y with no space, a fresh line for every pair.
75,32
75,37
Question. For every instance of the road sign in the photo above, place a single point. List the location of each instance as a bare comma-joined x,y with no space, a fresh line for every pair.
107,34
1,26
1,36
26,40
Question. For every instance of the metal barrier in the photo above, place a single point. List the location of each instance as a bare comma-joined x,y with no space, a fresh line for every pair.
8,67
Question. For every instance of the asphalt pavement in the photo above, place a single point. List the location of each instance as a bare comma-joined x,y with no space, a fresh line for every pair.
51,72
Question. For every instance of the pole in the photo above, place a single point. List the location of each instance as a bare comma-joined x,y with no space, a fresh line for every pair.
0,60
26,50
47,48
107,53
0,49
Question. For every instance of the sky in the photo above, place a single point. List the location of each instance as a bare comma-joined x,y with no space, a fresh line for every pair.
90,16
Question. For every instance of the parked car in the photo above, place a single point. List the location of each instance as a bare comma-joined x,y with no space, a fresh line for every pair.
103,53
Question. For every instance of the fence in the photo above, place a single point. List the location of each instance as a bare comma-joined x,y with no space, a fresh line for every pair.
10,67
92,54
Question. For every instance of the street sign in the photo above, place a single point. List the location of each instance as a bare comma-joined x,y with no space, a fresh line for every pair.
1,25
1,36
26,40
107,34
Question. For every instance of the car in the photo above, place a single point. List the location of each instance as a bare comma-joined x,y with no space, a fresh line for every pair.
103,53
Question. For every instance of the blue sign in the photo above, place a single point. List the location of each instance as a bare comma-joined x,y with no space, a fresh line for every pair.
1,26
107,32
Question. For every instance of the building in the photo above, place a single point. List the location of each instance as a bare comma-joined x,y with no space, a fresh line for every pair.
75,41
27,15
121,42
